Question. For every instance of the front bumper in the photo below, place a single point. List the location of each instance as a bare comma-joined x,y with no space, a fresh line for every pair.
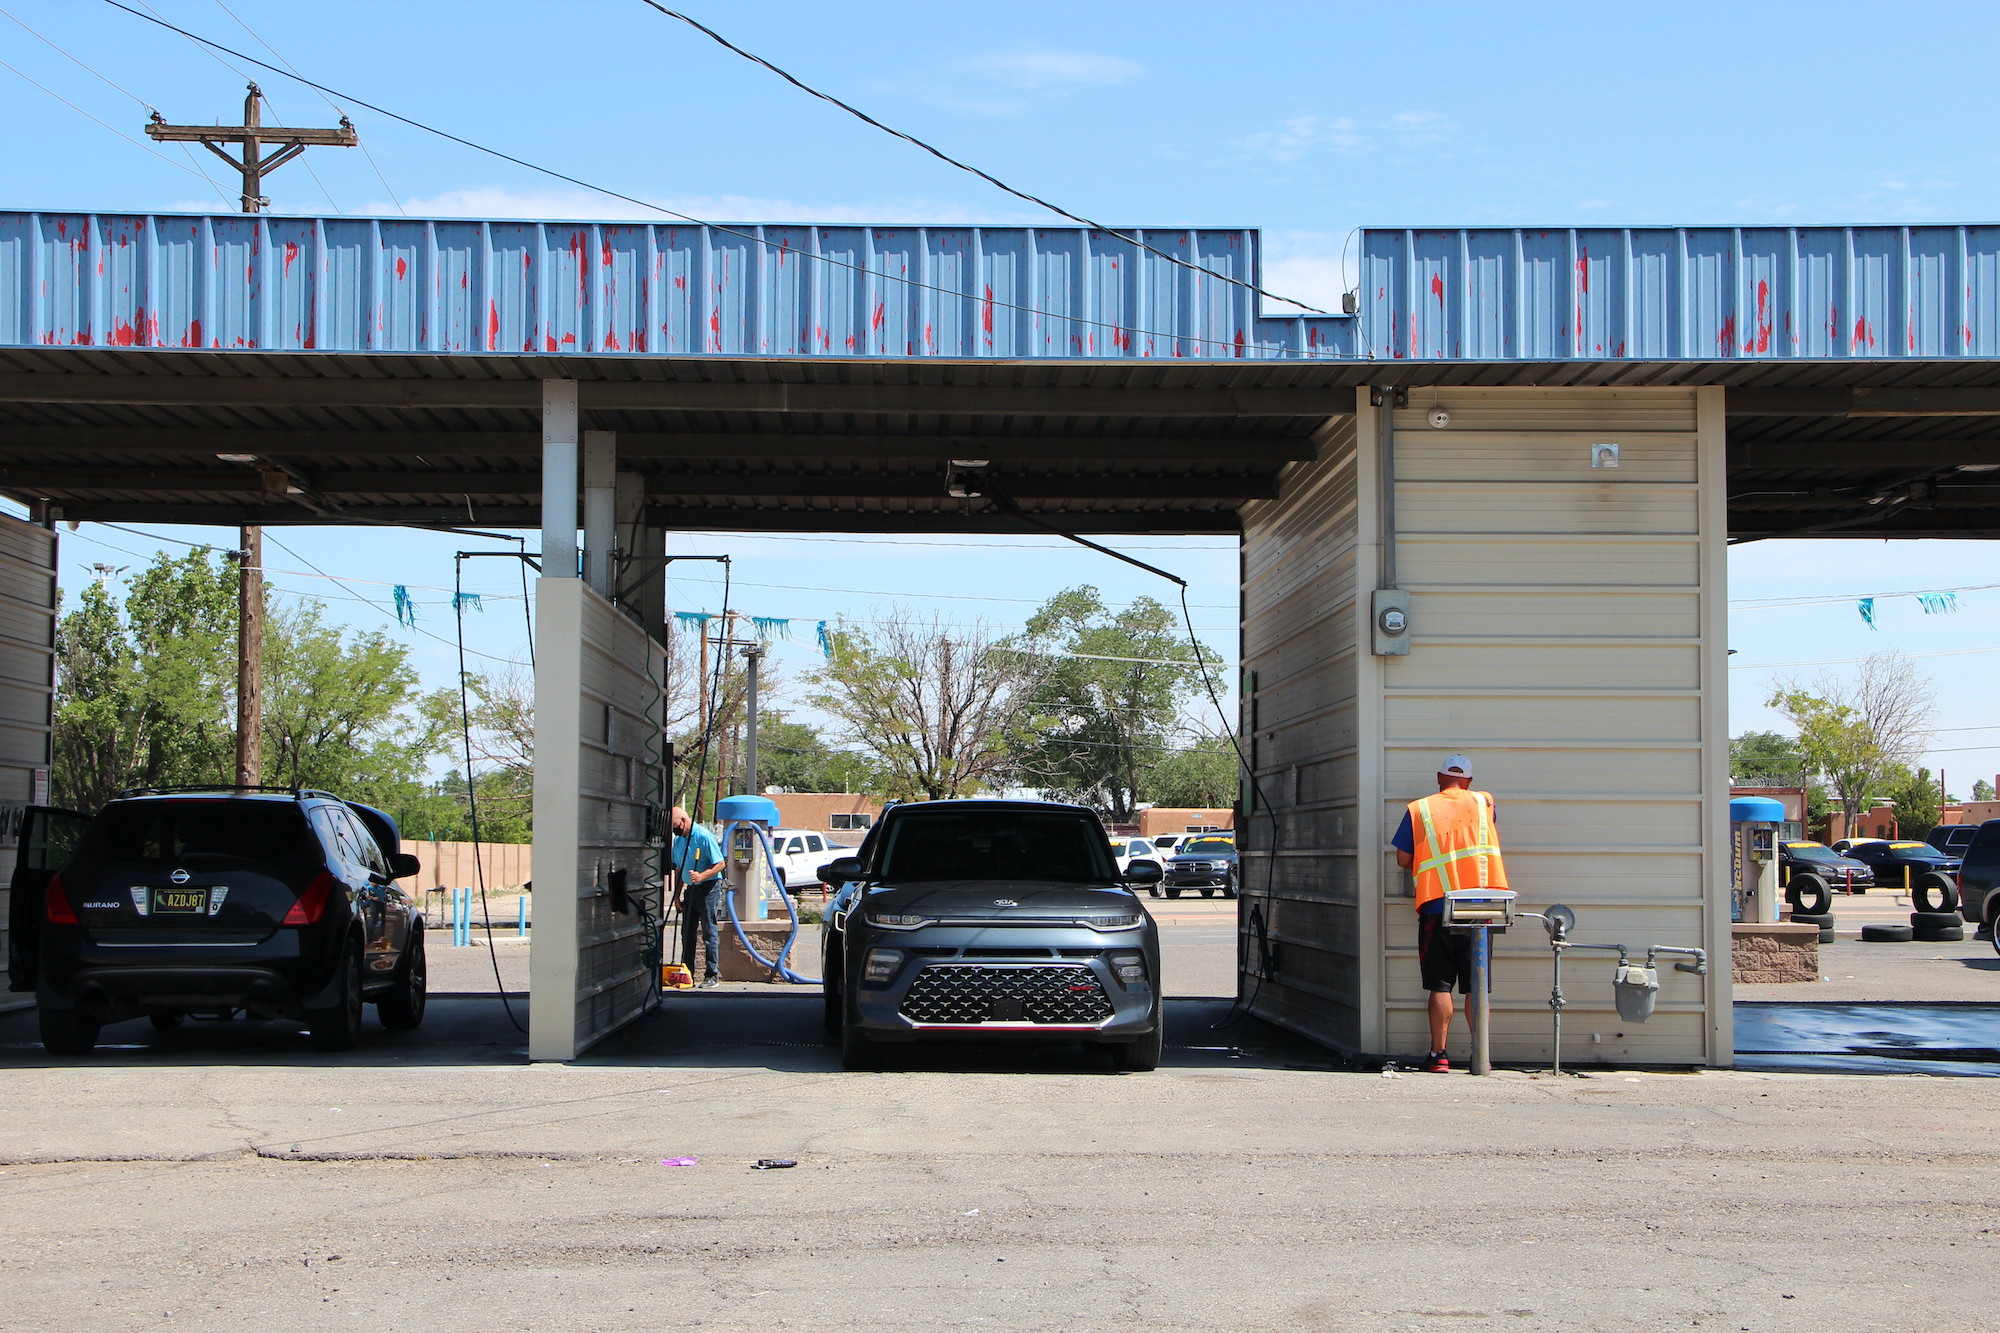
964,982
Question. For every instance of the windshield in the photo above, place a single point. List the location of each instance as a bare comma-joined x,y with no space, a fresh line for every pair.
1812,851
995,844
1208,847
179,833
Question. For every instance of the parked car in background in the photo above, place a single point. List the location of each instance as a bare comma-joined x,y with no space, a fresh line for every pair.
1125,850
1979,876
797,855
1206,862
1952,839
1164,843
178,901
990,919
1840,872
1899,863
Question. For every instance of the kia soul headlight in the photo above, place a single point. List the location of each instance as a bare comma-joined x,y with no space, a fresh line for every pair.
898,920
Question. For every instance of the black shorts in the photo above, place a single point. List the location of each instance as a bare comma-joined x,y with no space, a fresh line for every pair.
1445,956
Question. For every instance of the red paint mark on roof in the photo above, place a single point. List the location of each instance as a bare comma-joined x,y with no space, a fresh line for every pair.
877,322
402,268
192,338
986,313
569,340
680,281
715,328
1863,333
1725,338
292,252
1761,342
1437,287
552,341
611,341
492,325
607,251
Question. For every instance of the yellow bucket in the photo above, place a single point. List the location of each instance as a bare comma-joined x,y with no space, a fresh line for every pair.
675,976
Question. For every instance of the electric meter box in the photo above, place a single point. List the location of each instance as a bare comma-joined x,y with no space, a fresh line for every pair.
1491,908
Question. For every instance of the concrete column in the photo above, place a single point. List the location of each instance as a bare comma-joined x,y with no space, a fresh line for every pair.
600,511
559,459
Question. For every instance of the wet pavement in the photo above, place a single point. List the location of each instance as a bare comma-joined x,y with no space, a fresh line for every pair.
1951,1040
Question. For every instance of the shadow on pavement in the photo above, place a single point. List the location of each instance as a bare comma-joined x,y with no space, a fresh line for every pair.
706,1029
1946,1039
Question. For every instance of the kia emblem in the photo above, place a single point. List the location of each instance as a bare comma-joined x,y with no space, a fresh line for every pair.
179,877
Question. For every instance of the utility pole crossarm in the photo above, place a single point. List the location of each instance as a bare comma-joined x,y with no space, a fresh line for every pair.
344,137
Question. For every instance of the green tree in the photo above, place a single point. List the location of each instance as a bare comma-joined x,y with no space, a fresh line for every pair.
1106,698
1982,790
1857,732
1919,802
1204,775
1765,759
932,706
793,756
145,695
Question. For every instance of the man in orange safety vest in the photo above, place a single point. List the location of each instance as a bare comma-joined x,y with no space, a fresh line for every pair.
1449,841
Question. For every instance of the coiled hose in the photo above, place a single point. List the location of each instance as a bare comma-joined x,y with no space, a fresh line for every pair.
776,966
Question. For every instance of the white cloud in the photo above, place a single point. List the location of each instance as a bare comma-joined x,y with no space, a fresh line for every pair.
1041,69
1300,135
1307,266
495,201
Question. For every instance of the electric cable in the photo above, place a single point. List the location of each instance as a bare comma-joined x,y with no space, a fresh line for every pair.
949,160
712,690
145,148
1280,352
472,795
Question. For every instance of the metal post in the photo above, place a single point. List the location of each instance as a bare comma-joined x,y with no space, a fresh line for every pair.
751,657
1556,1008
559,460
249,659
521,915
1478,1012
600,510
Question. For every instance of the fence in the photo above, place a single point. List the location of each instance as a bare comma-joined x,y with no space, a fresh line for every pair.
507,865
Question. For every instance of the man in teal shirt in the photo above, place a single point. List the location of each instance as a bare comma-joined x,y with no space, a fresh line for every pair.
698,857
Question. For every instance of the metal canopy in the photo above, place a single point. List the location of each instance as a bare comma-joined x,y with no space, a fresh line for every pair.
414,420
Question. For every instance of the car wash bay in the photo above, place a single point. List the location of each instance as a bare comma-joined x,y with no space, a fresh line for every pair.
1446,442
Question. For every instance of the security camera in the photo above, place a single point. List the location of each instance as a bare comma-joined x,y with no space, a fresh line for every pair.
1440,418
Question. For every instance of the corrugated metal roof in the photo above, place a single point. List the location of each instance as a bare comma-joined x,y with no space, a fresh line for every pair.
266,282
1681,293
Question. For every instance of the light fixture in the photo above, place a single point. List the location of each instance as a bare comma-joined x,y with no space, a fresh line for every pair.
1979,467
237,458
961,479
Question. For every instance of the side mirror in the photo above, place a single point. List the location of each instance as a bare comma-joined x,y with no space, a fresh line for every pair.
402,865
836,873
1144,872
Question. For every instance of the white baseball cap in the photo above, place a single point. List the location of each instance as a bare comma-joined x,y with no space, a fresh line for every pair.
1456,764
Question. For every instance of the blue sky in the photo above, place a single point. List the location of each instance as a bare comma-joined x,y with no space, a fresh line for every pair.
1304,119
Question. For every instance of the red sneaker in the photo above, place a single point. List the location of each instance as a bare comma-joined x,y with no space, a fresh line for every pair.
1437,1063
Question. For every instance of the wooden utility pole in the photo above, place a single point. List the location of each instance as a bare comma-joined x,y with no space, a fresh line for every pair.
251,138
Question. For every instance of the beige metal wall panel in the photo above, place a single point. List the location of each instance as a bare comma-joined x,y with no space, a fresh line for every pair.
27,680
599,789
1564,634
1576,561
1544,509
1304,961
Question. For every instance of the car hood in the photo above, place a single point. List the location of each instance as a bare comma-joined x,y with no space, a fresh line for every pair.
1203,856
998,899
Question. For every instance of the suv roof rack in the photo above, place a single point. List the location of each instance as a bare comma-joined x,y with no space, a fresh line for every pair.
169,790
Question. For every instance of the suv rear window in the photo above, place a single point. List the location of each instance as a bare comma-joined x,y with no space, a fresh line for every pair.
176,833
996,844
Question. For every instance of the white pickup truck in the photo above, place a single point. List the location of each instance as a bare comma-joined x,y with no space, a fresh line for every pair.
797,855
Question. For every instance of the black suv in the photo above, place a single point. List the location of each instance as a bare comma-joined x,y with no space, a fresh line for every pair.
1002,919
1205,863
170,901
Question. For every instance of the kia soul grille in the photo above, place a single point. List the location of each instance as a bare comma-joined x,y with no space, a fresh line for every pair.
959,994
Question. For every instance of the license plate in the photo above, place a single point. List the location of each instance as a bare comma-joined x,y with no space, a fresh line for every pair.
194,902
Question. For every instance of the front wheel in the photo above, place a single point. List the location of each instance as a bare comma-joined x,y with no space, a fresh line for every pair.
338,1026
1173,893
1141,1056
1155,890
1229,889
857,1053
833,1001
403,1007
68,1031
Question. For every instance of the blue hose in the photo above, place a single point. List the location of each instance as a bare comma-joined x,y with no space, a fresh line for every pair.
777,968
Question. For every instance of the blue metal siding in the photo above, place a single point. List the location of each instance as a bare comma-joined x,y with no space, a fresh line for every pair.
1682,293
560,288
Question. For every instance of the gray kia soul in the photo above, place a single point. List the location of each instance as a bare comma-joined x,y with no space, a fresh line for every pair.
991,919
283,904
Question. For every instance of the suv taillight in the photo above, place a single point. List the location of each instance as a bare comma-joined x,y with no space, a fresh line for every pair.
55,904
311,905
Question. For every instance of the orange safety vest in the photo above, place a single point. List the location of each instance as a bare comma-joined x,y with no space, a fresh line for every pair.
1457,845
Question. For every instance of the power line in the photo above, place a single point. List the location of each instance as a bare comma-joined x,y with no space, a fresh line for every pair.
949,160
1842,661
193,171
1282,352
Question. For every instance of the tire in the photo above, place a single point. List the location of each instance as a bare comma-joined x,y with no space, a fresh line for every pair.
1935,893
402,1009
1820,919
1141,1056
1939,934
1155,890
1173,893
1936,921
858,1055
1208,893
1229,889
338,1026
834,1003
1888,934
166,1020
68,1031
1810,894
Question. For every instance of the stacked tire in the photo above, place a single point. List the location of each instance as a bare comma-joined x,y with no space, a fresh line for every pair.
1824,920
1936,919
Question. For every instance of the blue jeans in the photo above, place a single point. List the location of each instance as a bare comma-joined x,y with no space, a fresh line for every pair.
711,912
